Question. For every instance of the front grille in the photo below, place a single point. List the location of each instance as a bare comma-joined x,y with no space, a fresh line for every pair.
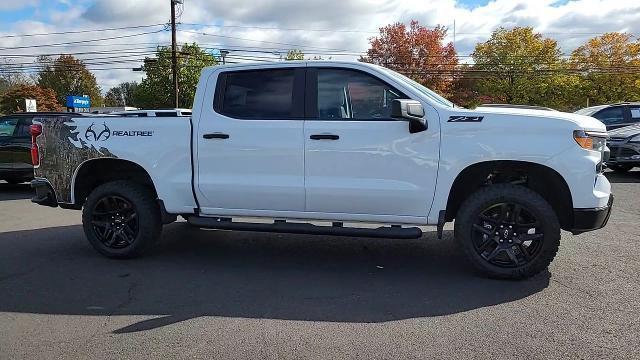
618,151
624,152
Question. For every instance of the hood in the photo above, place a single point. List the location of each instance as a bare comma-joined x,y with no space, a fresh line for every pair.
584,122
625,132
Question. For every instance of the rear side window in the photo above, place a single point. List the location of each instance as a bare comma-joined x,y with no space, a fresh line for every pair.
7,127
262,94
611,116
635,113
23,128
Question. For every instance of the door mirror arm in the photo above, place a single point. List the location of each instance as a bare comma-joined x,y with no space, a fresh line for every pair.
410,111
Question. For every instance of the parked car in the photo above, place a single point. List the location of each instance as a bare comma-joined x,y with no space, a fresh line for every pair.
15,144
334,142
615,115
153,113
624,144
530,107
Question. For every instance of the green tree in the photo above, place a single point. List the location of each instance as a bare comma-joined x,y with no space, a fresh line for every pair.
156,89
67,75
519,66
13,100
610,68
295,54
121,95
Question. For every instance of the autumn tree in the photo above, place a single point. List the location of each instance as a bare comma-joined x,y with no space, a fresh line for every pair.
121,95
156,89
12,74
295,54
14,99
67,75
417,52
610,68
519,66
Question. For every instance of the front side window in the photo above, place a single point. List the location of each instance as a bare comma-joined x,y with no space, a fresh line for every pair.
635,113
8,126
348,94
611,116
260,94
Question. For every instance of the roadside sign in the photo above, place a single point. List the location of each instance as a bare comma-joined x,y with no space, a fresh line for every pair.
76,102
30,105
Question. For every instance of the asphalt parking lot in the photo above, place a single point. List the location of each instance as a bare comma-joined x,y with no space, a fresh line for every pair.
213,294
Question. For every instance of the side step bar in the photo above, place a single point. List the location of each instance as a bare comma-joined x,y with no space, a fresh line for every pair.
280,226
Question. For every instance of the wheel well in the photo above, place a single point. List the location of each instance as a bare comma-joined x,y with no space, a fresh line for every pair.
94,173
539,178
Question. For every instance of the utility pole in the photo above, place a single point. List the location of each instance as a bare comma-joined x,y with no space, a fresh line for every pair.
174,59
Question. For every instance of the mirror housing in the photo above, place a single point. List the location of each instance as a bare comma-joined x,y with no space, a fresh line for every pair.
411,111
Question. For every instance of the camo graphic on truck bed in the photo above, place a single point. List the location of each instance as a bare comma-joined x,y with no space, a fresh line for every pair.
64,145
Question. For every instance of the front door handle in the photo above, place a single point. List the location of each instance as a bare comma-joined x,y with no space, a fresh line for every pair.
324,137
216,136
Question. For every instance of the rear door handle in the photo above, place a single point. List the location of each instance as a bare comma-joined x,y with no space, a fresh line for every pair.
324,137
216,136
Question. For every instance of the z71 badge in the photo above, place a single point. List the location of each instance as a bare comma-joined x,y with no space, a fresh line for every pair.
465,118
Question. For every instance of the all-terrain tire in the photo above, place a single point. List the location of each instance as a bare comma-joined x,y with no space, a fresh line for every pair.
527,199
137,198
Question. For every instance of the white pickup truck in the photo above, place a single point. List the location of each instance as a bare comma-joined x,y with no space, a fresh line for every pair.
330,148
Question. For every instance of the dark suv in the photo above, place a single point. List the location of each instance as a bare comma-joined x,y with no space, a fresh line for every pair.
15,148
615,115
624,144
15,145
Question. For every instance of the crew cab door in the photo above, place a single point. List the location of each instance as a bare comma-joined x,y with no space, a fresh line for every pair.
358,160
250,143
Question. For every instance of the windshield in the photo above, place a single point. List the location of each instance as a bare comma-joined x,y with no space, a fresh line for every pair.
423,89
587,111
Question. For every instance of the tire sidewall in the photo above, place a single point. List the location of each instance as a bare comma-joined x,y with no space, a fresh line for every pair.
531,202
142,202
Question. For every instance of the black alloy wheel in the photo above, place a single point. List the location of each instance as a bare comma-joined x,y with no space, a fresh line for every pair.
507,235
115,222
507,231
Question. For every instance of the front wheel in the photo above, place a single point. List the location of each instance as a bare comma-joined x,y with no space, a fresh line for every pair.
121,219
508,231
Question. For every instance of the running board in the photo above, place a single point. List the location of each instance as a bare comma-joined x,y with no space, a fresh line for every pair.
281,226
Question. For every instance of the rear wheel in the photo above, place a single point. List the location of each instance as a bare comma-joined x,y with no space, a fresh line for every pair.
121,219
620,168
508,231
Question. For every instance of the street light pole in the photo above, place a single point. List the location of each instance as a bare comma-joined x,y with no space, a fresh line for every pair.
174,59
224,54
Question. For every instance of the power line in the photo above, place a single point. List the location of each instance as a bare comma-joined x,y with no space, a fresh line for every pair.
80,41
82,31
260,41
283,29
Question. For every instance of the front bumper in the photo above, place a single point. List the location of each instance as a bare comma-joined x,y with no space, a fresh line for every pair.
624,153
44,193
591,219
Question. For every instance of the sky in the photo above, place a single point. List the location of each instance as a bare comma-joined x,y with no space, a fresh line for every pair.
258,30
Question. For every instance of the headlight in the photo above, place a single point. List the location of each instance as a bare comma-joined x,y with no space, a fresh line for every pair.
635,139
590,141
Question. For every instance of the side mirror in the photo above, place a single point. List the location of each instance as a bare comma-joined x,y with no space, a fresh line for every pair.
411,111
